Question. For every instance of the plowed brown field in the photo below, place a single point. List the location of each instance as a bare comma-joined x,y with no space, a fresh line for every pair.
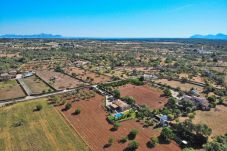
144,95
93,127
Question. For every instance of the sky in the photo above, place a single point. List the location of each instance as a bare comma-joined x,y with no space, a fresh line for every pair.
114,18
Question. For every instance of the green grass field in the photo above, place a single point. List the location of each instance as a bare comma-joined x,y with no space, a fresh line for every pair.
44,130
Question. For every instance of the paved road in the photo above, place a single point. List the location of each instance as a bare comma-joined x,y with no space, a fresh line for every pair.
28,98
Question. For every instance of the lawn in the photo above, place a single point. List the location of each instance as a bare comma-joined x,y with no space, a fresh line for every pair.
36,85
10,89
44,130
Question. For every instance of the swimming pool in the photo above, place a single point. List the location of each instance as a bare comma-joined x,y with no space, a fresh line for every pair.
118,115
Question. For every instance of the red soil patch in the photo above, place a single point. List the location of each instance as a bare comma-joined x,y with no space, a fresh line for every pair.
93,127
144,95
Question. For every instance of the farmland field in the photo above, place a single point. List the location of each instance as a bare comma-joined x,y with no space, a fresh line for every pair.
43,65
216,119
41,130
183,86
144,95
87,75
92,125
58,80
36,85
8,89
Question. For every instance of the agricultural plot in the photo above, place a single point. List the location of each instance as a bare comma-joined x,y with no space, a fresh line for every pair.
93,127
58,80
182,86
215,119
86,75
10,90
36,85
39,130
144,95
43,65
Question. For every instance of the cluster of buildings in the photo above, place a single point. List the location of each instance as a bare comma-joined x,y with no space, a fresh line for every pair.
8,75
112,104
202,103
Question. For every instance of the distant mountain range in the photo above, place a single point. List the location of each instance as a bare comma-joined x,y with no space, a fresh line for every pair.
42,35
50,36
217,36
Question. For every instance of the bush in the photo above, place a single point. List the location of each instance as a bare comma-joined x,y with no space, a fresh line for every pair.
167,92
18,123
68,106
133,145
129,100
110,142
132,134
77,111
116,93
123,139
38,107
166,134
153,141
116,126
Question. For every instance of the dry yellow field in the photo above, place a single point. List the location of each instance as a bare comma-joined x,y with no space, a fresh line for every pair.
44,130
216,119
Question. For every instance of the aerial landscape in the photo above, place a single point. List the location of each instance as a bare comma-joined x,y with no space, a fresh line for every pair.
115,77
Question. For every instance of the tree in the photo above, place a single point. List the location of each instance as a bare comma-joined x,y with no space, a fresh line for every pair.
123,139
116,93
166,134
130,100
109,143
58,69
132,134
153,141
172,102
111,140
68,106
188,149
219,144
77,111
167,92
133,145
116,126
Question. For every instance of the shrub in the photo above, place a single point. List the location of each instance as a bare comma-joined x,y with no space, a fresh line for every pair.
166,134
132,134
153,141
116,93
116,126
18,123
68,106
77,111
133,145
123,139
129,100
38,107
110,142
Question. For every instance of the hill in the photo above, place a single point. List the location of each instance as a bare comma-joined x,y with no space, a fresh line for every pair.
217,36
42,35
